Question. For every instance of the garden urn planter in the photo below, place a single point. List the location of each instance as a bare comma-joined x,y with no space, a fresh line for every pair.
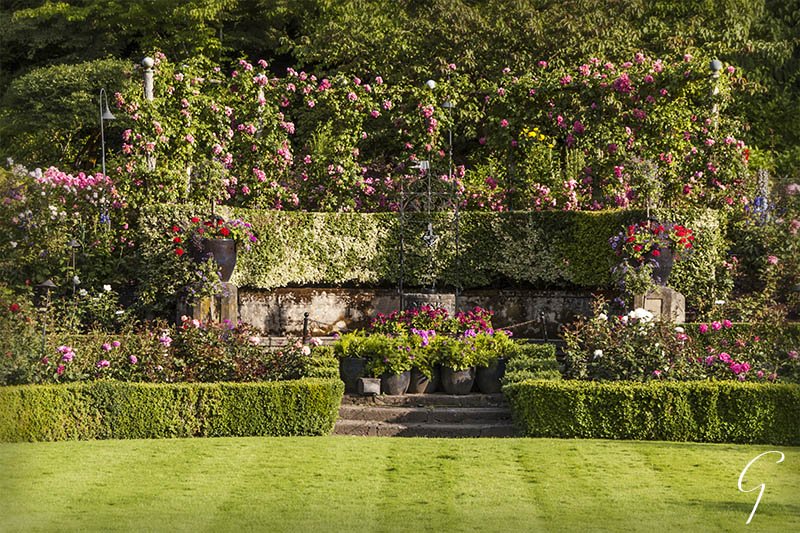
488,378
350,370
421,384
395,384
223,252
457,381
662,265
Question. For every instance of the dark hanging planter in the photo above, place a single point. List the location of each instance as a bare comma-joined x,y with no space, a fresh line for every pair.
662,265
223,251
488,378
395,384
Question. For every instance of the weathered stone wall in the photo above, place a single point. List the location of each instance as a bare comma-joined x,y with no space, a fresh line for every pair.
280,311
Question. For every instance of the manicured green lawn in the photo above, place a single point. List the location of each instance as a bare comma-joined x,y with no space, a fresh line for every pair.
372,484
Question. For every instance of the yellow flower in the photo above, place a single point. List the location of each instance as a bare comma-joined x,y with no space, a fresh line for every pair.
552,145
531,134
541,137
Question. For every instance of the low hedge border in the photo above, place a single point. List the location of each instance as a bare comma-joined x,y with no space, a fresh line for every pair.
704,411
534,361
121,410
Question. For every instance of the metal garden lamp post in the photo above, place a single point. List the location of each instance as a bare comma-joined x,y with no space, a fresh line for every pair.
41,300
105,114
73,246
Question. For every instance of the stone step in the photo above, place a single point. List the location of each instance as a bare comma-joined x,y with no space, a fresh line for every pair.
433,415
368,428
428,400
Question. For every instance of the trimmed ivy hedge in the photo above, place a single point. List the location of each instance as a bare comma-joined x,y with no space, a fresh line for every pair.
704,411
547,249
119,410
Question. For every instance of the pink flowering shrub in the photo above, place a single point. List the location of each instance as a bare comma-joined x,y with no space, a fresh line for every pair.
42,212
636,347
558,138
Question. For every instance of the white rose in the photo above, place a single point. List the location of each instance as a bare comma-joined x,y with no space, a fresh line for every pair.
598,354
305,350
602,316
106,288
680,329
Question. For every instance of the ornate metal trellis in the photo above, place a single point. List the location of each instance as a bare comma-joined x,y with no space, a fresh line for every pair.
424,199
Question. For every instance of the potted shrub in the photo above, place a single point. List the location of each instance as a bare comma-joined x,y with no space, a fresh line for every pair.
352,362
389,360
491,353
425,370
458,364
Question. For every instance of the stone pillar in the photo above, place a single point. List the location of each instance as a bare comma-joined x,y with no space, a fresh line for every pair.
222,306
663,302
227,303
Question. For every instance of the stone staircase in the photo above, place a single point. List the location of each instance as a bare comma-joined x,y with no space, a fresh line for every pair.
425,415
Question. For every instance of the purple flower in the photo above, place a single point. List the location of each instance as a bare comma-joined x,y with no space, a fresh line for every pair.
103,363
115,344
716,325
106,347
133,359
703,328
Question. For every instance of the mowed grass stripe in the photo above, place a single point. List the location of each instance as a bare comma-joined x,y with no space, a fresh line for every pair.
383,484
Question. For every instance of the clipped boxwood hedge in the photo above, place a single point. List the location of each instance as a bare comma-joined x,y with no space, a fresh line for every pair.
705,411
533,361
119,410
546,249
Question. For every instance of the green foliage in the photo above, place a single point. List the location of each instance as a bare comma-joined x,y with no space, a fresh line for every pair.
532,361
51,115
637,348
336,248
114,410
695,411
457,354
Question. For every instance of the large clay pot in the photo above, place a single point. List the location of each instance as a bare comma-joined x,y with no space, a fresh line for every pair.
395,384
223,252
457,381
421,384
488,377
350,370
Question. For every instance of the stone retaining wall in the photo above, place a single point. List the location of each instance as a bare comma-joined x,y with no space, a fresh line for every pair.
280,311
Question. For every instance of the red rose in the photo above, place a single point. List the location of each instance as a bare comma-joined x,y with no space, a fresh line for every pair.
656,253
177,240
637,248
14,308
201,230
220,222
195,220
179,251
225,232
176,229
